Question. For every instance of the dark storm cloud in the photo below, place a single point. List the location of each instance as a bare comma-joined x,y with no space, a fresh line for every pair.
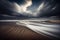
4,7
37,8
55,5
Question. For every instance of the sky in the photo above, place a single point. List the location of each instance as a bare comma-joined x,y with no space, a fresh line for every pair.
18,9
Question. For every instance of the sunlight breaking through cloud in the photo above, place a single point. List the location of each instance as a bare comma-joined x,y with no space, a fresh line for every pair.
22,9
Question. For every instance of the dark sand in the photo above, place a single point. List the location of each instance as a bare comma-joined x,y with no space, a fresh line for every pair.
11,31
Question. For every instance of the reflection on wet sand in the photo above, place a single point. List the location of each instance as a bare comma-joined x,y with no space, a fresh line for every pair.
13,31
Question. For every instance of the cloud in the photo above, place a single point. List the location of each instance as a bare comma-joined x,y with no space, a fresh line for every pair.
16,9
23,9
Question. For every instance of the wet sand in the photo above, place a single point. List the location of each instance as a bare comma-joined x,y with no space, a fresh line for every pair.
11,31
